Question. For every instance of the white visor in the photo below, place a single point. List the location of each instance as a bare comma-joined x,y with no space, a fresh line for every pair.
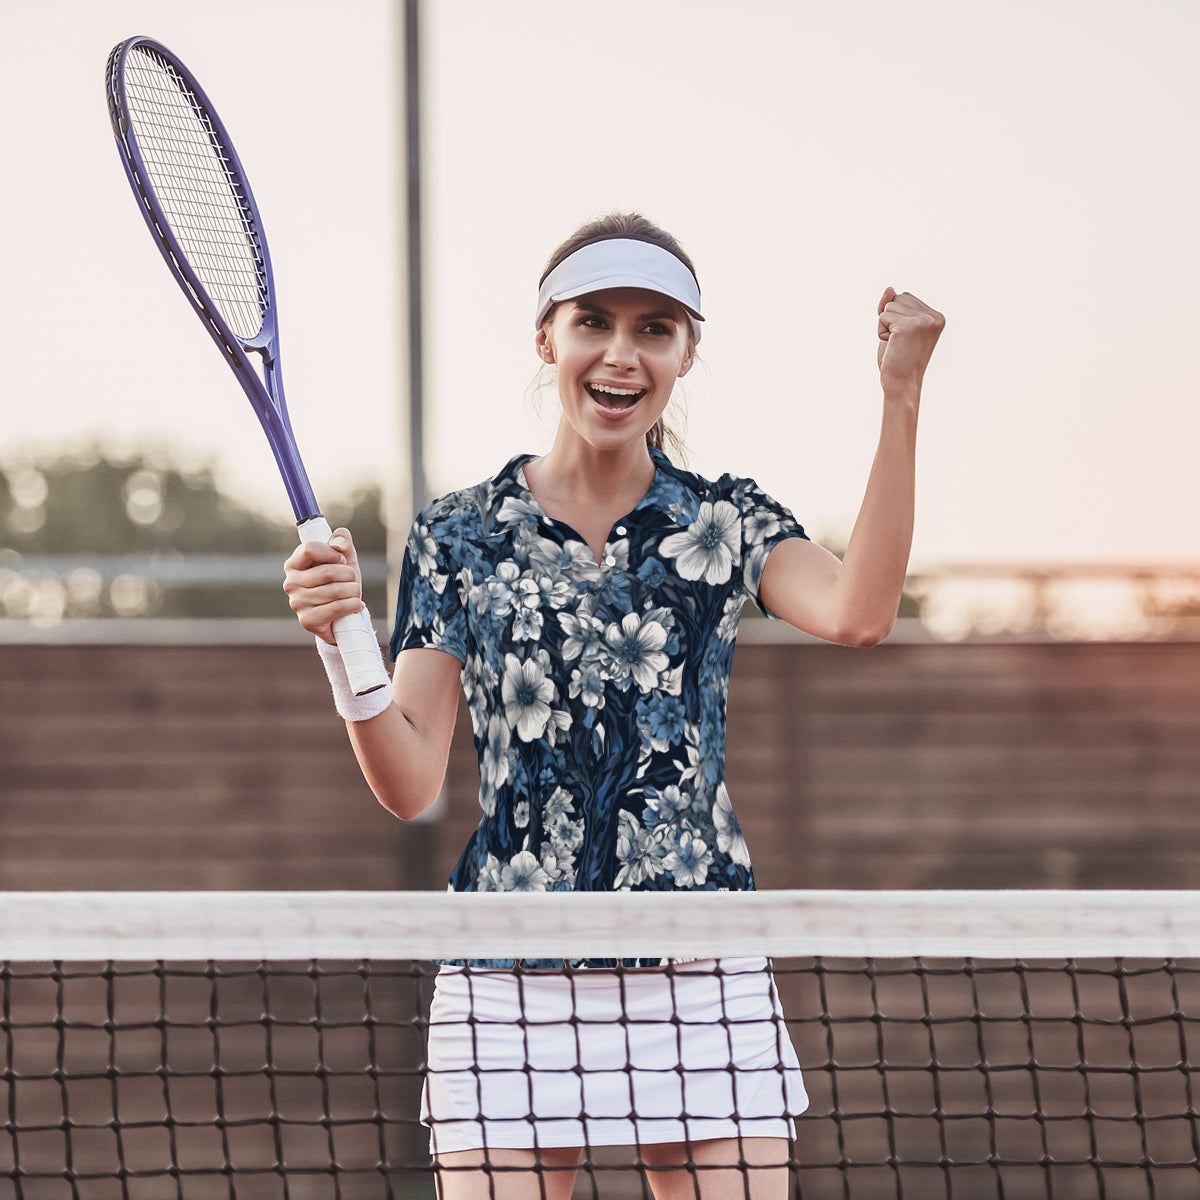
616,263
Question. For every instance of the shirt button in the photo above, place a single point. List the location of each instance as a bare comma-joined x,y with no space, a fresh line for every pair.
620,531
609,561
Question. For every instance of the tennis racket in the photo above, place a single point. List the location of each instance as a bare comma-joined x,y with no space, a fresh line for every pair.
194,195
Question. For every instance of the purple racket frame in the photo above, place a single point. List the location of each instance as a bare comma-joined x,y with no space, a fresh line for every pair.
355,637
266,394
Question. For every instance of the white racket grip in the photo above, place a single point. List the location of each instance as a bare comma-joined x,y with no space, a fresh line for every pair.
355,636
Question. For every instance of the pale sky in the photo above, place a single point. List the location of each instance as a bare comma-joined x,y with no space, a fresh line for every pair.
1030,169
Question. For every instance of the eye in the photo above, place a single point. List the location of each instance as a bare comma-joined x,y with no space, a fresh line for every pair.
590,321
658,329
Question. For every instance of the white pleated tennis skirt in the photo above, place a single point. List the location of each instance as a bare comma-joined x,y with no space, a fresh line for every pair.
604,1058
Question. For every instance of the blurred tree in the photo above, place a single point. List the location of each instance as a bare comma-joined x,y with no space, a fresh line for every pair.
92,503
102,506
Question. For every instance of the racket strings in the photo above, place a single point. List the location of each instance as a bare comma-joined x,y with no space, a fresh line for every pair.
199,190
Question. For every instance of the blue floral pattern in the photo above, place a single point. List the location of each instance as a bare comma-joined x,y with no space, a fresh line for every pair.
596,689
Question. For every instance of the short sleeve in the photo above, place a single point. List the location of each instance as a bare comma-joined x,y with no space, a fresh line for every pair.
765,523
429,609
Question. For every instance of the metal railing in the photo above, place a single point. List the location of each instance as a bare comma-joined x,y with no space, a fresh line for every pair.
121,597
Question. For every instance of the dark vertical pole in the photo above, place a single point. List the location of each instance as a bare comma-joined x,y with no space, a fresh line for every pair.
418,840
412,139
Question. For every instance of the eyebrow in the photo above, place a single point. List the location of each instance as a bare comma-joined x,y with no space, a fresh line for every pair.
661,315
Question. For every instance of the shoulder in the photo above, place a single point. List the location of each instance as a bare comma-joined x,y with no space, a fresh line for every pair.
674,483
472,510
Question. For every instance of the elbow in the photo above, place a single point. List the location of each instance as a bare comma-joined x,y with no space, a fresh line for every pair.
406,797
408,804
862,635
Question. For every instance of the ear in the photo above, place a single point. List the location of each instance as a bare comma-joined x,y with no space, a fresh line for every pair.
545,347
688,359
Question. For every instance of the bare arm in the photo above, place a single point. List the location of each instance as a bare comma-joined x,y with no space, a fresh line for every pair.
403,751
855,602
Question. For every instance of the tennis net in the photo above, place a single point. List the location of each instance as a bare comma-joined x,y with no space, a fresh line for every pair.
965,1045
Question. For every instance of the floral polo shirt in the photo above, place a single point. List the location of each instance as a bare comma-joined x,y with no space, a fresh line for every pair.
596,689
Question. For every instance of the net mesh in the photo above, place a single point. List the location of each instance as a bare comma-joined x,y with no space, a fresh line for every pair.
198,187
1001,1076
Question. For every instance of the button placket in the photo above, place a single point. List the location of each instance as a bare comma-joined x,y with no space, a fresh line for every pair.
610,560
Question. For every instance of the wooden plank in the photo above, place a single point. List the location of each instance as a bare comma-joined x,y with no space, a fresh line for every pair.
909,762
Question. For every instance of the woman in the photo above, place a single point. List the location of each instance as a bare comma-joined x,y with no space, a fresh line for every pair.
589,600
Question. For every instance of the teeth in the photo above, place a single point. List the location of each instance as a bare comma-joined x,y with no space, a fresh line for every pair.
613,391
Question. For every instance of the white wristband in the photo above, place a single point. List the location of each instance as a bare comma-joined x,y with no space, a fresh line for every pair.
350,706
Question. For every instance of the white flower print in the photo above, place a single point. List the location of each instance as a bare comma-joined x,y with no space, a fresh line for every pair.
585,635
495,761
731,617
703,758
671,681
527,592
527,625
559,722
729,833
562,843
667,804
635,651
563,835
535,551
527,696
554,872
488,879
559,804
521,814
619,553
514,510
555,592
500,599
689,860
523,873
423,546
639,852
760,525
588,686
708,549
572,561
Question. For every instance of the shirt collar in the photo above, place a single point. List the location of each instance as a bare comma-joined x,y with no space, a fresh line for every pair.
508,502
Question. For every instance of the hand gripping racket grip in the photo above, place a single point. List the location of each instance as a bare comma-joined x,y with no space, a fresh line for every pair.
355,638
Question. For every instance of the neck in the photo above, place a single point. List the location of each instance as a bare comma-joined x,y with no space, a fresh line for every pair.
573,466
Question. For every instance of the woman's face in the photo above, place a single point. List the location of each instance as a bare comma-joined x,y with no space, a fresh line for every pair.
618,354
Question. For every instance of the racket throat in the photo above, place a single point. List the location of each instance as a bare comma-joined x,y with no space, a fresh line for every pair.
263,344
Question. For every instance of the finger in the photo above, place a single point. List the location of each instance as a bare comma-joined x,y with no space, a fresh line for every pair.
320,617
320,620
315,598
907,303
343,542
324,576
889,294
310,554
901,311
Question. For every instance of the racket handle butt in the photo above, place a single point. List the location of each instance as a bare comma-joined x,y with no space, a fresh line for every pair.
355,636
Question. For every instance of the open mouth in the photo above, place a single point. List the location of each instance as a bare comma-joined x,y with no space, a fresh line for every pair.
614,397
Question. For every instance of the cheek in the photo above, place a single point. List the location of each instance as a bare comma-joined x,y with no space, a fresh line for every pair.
671,366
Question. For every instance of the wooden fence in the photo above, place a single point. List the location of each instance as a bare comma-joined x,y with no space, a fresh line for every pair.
910,765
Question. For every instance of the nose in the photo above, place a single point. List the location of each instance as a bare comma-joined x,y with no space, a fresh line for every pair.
621,352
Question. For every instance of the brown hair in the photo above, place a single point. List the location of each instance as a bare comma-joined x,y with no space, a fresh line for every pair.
637,228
